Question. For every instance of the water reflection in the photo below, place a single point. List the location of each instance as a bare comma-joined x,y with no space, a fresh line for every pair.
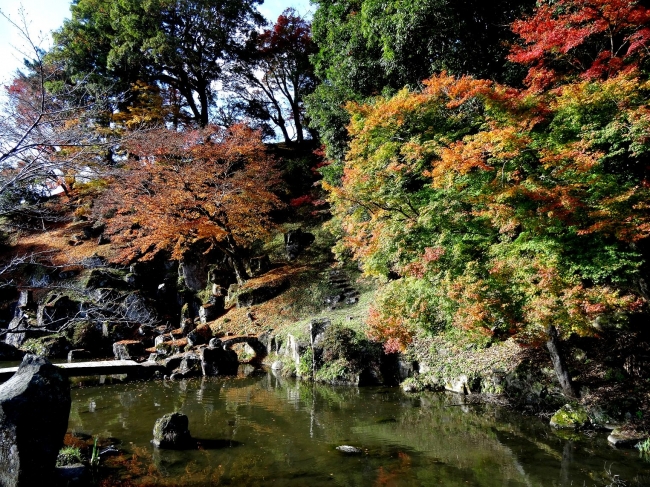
266,430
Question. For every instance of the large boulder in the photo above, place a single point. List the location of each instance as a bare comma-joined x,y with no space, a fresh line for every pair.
218,361
57,310
171,431
128,349
34,409
295,242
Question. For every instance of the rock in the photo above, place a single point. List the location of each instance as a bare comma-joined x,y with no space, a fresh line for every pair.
249,297
259,265
218,361
199,336
56,310
15,336
78,354
211,311
128,349
74,474
405,368
295,348
50,346
295,242
277,365
193,269
190,365
570,417
349,450
317,328
101,278
87,335
9,352
34,409
457,385
173,362
171,431
135,309
625,439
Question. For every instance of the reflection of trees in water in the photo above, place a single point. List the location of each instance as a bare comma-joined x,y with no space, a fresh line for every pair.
288,431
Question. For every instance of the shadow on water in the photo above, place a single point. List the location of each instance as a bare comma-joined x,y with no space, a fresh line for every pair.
267,430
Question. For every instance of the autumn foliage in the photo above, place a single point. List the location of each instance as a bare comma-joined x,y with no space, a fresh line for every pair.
213,185
587,38
501,211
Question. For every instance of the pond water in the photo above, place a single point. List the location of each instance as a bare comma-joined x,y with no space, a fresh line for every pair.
263,430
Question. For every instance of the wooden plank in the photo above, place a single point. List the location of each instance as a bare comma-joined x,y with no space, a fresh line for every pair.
77,369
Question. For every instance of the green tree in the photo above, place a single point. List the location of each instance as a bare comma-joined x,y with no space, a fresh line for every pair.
368,48
182,44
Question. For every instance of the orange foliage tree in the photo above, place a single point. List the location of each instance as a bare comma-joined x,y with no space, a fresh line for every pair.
214,185
500,211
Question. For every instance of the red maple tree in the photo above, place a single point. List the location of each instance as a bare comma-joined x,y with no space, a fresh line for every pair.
590,38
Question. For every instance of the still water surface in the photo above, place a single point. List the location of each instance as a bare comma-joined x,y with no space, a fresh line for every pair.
263,430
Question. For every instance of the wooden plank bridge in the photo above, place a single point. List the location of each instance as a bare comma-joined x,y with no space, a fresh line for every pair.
104,367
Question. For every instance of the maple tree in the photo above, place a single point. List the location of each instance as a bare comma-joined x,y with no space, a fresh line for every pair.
213,185
500,211
274,74
589,38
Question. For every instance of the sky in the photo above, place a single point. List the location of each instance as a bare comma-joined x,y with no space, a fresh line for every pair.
44,16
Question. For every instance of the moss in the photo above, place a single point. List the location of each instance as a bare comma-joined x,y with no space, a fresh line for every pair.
48,346
305,365
570,417
332,372
68,455
87,335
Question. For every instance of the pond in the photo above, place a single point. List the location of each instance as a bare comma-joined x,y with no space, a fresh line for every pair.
265,430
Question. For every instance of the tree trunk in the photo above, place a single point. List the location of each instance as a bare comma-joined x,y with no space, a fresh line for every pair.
561,371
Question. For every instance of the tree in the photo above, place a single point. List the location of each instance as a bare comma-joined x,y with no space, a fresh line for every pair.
45,132
275,73
499,212
212,185
368,48
182,44
582,38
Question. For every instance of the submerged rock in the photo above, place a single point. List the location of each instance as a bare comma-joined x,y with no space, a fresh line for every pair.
34,410
171,431
349,450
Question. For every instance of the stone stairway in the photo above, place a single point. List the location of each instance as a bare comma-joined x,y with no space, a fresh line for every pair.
341,290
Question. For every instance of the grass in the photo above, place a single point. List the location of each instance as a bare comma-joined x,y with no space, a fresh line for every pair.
68,455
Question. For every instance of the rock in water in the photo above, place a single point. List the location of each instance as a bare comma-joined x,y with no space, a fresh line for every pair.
171,431
34,410
349,450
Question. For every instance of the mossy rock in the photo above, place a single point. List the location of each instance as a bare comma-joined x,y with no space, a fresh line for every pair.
570,417
87,335
51,346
